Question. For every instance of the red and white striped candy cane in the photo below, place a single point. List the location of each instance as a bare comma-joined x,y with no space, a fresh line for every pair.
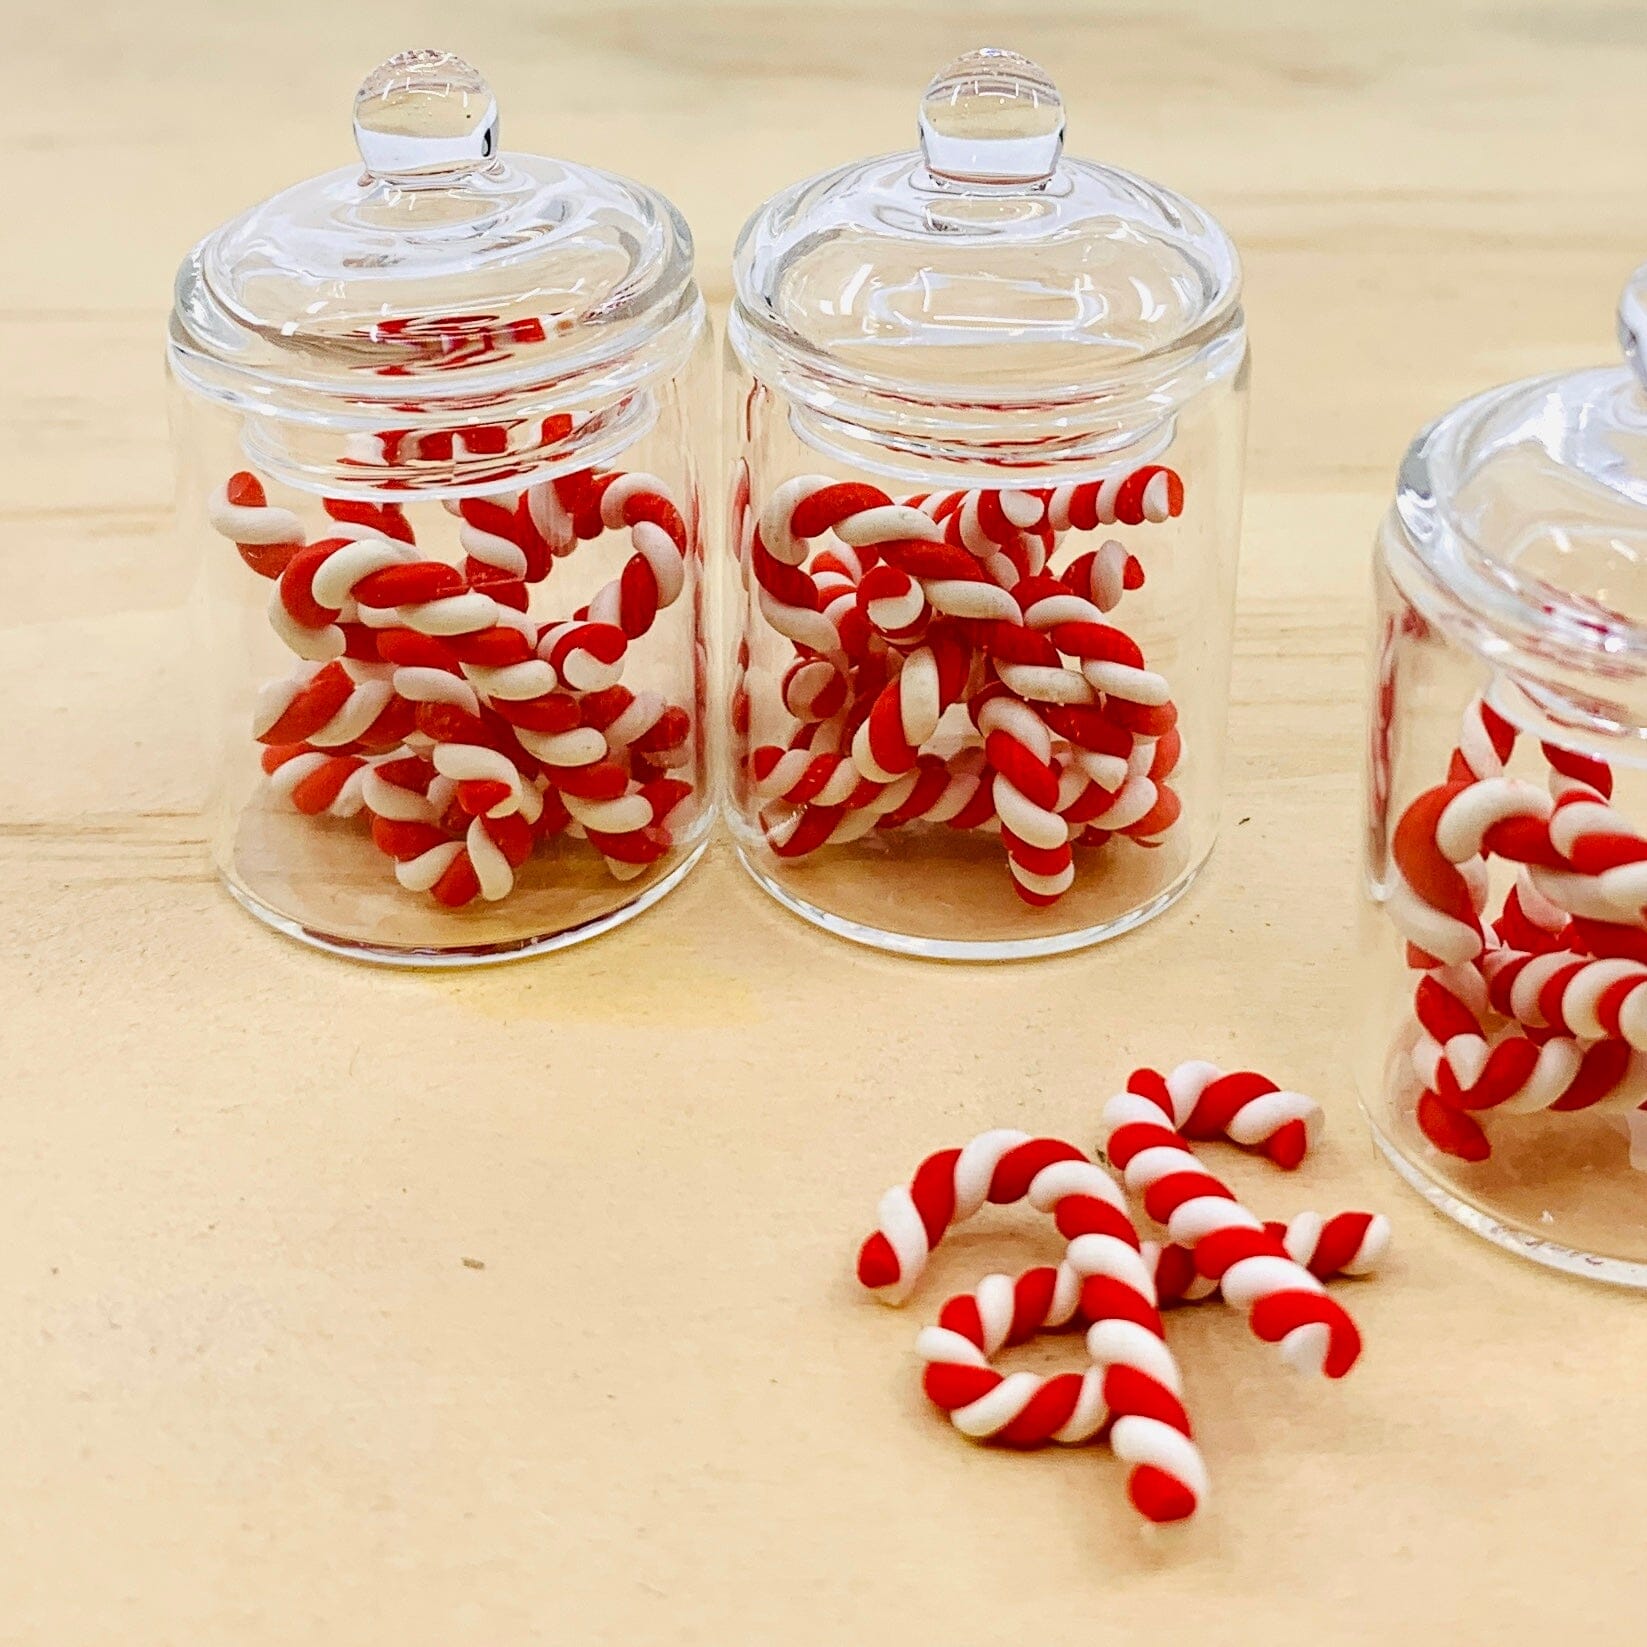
1130,497
1026,791
1346,1244
587,653
1243,1107
1286,1303
1140,1383
337,705
1466,1071
266,535
906,712
1134,1386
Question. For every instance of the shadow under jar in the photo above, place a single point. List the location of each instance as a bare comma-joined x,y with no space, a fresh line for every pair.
434,422
988,415
1503,1061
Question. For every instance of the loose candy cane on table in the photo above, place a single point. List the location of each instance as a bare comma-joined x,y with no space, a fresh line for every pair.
1286,1303
953,1185
1030,1410
1137,1386
1108,1281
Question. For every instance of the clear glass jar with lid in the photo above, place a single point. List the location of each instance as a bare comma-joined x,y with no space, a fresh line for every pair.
436,422
988,412
1503,1018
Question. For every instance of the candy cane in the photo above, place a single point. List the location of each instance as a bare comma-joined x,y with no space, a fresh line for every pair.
907,711
1134,1385
1140,1383
1149,493
1286,1303
1595,1065
266,536
1346,1244
1246,1108
1026,792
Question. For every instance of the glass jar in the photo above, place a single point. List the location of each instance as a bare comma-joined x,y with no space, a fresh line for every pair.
1504,1019
435,422
988,406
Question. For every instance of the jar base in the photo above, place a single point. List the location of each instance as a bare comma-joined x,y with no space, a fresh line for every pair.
488,954
1525,1243
969,949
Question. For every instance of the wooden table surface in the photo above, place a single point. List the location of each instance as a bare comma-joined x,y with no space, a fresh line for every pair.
350,1307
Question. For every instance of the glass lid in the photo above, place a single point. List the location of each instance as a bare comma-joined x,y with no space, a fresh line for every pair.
988,266
437,259
1529,502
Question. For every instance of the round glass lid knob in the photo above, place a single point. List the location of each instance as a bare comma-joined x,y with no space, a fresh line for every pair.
992,116
424,117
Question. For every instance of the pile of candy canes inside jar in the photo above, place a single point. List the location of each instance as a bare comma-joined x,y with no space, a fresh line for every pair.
1540,1006
431,705
1114,1283
899,610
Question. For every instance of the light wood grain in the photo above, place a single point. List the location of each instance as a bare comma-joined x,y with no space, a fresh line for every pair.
251,1391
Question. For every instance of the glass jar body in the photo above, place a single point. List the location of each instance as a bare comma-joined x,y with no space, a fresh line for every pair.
978,703
1494,1035
456,700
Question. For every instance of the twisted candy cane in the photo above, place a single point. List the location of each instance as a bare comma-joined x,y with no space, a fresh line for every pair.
587,652
1138,1380
907,711
1465,1072
1245,1108
1133,1387
1348,1243
1026,791
1287,1304
266,536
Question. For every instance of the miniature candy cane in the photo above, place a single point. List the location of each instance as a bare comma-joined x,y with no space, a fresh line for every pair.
1134,1385
1287,1304
1589,1065
582,653
1150,493
1346,1244
1140,1385
334,705
907,711
266,536
1026,792
1245,1108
